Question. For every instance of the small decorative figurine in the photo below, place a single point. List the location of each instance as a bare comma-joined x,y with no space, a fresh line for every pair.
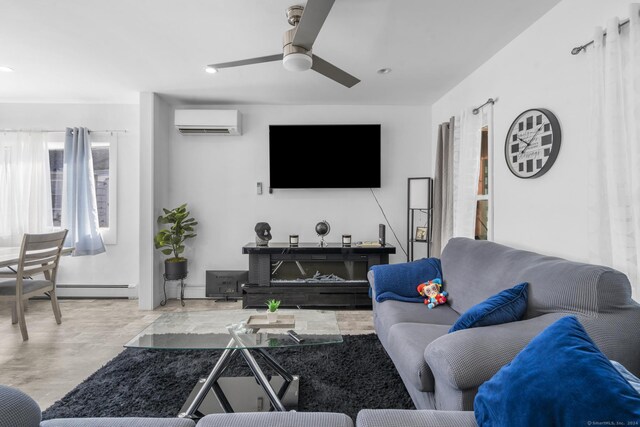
263,234
322,229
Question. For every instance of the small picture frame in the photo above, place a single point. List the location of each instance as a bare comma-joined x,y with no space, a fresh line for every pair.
421,234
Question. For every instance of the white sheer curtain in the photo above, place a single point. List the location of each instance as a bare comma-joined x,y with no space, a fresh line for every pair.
443,188
25,186
614,172
466,170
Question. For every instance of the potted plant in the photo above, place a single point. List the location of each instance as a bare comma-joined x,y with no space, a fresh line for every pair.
272,310
171,240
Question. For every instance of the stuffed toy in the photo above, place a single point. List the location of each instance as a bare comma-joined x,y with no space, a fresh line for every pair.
431,291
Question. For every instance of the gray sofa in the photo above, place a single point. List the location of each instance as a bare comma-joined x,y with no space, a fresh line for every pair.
443,371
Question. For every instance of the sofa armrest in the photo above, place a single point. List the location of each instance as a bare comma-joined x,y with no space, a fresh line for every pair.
18,409
372,283
616,335
465,359
414,418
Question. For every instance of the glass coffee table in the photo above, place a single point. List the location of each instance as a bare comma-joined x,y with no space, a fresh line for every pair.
245,333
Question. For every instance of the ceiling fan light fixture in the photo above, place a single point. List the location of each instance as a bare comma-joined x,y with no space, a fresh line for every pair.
211,70
297,62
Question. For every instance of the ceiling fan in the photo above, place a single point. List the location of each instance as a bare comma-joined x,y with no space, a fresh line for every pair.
298,42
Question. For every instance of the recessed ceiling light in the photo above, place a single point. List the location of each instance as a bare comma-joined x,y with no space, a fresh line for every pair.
6,69
210,70
384,71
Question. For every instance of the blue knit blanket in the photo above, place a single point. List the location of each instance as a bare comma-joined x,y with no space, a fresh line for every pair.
400,281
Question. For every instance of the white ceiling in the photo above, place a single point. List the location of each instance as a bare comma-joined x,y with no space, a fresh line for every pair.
109,50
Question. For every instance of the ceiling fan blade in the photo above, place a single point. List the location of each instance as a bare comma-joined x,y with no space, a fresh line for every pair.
334,73
313,16
258,60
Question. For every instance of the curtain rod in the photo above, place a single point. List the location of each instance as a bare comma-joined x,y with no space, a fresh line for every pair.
61,131
477,109
576,50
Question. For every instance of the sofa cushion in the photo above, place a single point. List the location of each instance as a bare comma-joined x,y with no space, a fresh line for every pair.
412,418
562,371
407,343
473,270
277,419
506,306
400,281
118,422
389,313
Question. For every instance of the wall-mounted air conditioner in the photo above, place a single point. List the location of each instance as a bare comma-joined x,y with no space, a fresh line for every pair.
208,122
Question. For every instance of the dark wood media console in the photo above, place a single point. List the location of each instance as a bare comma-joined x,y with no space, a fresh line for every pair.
309,275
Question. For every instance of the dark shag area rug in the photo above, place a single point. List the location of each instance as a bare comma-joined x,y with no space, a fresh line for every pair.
344,378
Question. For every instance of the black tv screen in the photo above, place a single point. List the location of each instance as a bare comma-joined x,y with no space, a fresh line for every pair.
324,156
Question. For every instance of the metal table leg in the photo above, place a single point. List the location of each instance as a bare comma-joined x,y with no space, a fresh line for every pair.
215,374
227,355
288,378
263,380
275,365
222,399
164,288
260,376
182,291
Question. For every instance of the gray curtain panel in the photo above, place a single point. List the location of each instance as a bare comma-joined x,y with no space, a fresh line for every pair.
79,206
443,188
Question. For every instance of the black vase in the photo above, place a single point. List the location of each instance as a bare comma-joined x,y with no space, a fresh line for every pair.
175,270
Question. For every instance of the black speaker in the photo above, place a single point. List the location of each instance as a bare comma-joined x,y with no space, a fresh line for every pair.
381,234
225,284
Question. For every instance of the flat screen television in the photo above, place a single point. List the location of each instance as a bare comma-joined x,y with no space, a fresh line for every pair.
324,156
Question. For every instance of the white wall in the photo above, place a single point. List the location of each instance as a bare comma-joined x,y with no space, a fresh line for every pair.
119,265
217,177
156,116
547,214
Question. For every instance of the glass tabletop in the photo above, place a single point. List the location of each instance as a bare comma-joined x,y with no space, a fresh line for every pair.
223,329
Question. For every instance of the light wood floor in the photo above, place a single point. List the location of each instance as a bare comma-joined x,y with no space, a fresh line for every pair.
58,357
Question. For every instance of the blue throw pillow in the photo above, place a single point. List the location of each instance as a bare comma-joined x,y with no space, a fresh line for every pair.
400,281
507,306
560,379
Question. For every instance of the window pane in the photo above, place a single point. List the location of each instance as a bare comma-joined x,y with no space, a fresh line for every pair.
483,179
482,210
56,159
101,177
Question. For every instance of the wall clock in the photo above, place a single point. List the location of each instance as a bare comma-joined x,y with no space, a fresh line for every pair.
532,143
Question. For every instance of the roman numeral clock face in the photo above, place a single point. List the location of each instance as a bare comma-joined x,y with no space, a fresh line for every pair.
532,143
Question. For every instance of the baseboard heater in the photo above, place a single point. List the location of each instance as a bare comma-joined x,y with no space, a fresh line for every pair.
96,291
92,286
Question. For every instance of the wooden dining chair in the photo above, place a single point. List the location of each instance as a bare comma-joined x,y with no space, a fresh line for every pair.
39,254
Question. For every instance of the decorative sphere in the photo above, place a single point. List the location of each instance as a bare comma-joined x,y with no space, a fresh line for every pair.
323,228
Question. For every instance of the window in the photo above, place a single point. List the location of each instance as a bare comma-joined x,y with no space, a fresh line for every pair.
104,157
483,197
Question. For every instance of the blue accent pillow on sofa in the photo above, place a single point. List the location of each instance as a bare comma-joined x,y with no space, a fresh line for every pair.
559,379
400,281
506,306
